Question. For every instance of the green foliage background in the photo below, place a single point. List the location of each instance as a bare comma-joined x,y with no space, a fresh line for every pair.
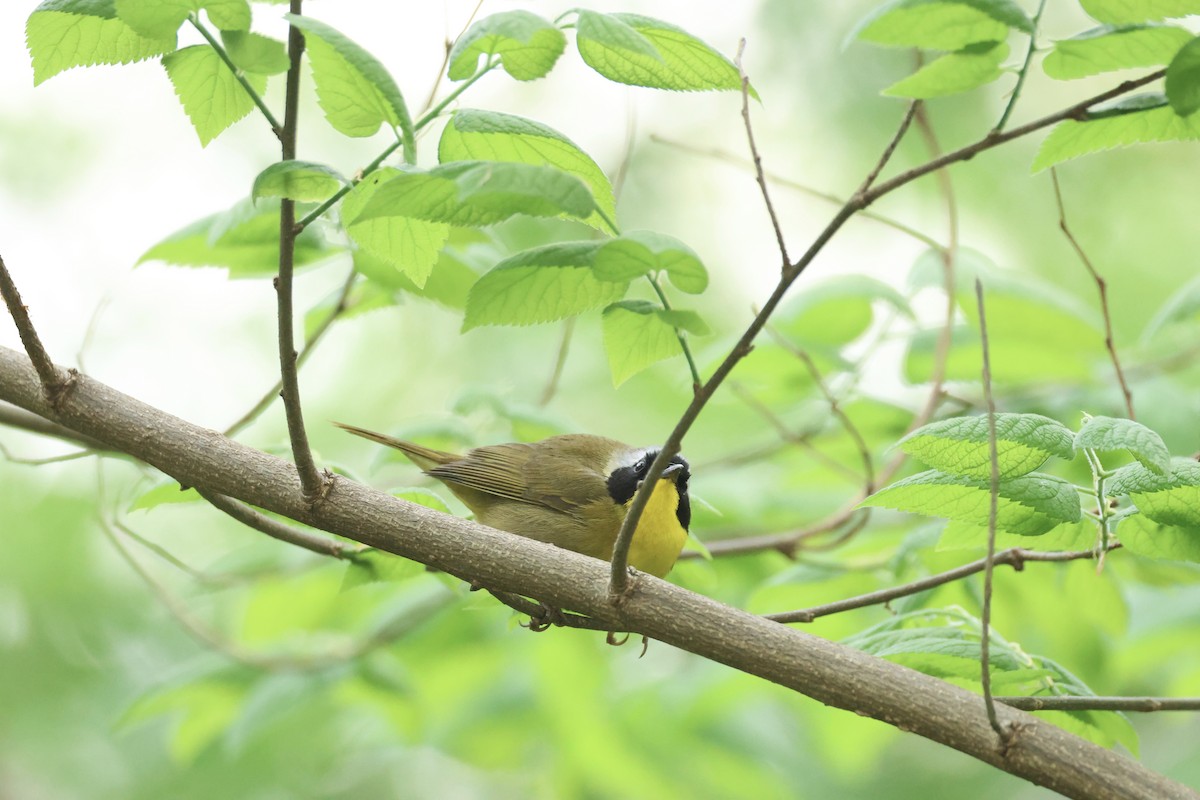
320,686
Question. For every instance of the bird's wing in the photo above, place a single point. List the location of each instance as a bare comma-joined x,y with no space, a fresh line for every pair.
497,470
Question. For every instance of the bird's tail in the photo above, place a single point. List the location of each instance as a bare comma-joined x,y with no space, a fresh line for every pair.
424,457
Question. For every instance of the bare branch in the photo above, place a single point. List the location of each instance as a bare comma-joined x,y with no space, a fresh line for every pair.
313,484
1065,703
260,522
1102,287
985,664
560,361
54,382
1015,557
757,159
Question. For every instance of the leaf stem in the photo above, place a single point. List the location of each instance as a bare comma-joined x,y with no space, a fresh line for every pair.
237,73
687,351
1016,92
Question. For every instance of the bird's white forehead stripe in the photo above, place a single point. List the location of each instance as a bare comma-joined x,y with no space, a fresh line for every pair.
629,458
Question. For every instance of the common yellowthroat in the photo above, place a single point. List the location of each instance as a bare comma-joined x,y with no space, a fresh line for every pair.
572,491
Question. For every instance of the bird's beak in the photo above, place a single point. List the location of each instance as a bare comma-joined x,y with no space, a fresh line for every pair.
672,471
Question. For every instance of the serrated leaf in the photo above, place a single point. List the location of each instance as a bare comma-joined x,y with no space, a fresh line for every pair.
449,281
836,311
243,239
540,285
527,45
641,51
409,245
1108,130
1143,535
1109,433
355,91
166,493
967,69
210,93
157,19
227,15
941,24
297,180
959,446
472,193
1028,505
1120,12
1183,79
1112,47
1171,499
638,333
639,253
62,34
253,52
472,134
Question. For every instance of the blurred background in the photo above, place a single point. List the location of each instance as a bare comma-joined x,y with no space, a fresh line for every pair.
238,667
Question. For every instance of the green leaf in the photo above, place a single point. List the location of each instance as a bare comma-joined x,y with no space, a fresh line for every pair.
1037,332
409,245
472,134
354,90
62,34
1028,505
967,69
527,45
471,193
1181,307
228,15
1120,12
1183,79
244,240
1116,127
1143,535
156,19
448,283
638,333
540,285
210,93
1171,499
941,24
1073,536
297,180
163,494
836,311
200,712
253,52
639,253
959,446
1112,47
641,51
1109,433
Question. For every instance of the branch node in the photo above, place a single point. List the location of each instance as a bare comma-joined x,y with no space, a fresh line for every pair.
618,598
58,394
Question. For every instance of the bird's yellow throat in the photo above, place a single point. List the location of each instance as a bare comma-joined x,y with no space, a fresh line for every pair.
659,536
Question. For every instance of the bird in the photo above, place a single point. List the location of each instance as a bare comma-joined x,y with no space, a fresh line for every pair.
572,491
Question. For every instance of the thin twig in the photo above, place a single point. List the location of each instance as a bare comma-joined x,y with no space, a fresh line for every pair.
724,155
1004,733
891,147
1016,92
238,74
15,417
788,435
312,484
54,383
864,450
1015,557
560,361
1073,703
260,522
757,159
679,333
437,82
310,344
541,617
1101,286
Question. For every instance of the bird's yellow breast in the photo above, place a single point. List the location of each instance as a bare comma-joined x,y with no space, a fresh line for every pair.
659,536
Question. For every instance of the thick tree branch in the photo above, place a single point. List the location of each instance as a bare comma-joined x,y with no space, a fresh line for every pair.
826,671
